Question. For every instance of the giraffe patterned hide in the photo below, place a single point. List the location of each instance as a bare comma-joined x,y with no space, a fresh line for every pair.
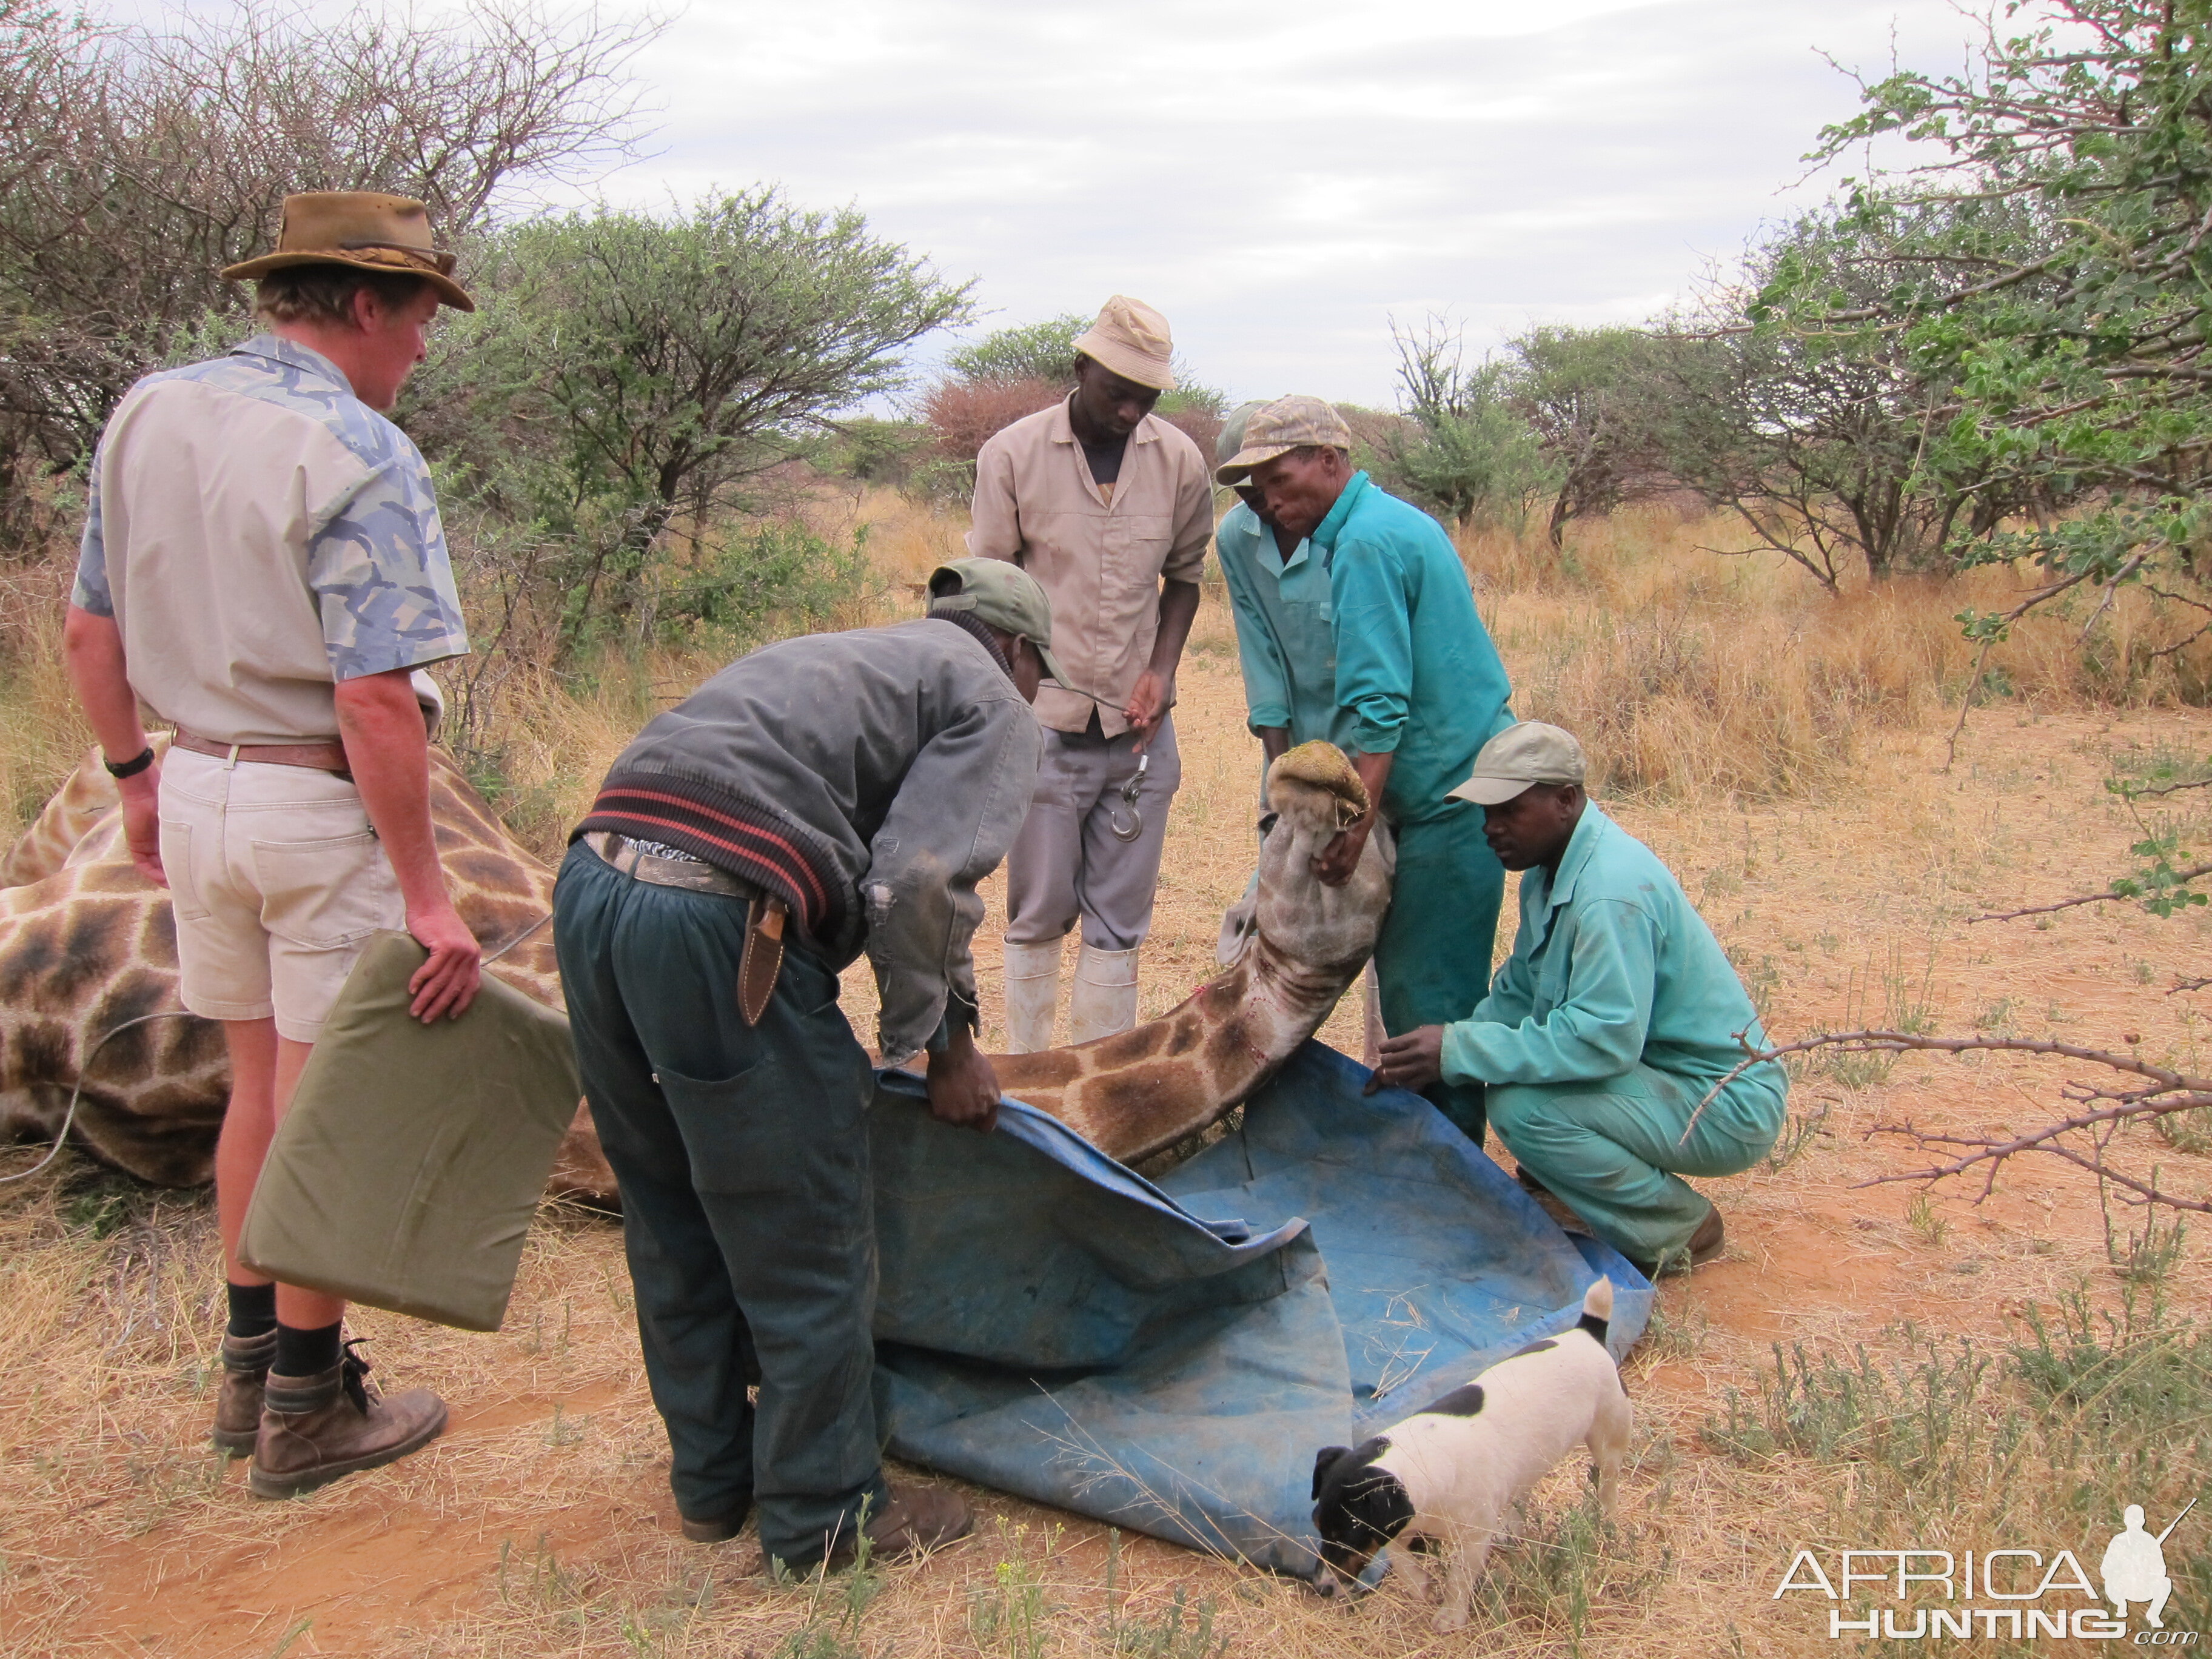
1137,1094
87,942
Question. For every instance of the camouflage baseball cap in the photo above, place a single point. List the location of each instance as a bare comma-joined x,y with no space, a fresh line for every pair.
999,595
1524,753
1276,428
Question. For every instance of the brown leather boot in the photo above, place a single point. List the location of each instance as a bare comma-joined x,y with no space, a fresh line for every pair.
315,1429
238,1401
913,1519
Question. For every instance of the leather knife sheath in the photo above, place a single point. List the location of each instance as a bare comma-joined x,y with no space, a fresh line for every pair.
762,959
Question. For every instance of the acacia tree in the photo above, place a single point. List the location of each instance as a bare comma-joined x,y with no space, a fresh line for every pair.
625,376
1591,395
1469,453
1817,437
2072,367
135,164
2077,360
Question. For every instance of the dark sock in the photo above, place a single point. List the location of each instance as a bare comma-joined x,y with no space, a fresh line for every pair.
252,1310
305,1353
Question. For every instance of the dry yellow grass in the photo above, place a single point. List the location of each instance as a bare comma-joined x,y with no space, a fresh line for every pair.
1841,882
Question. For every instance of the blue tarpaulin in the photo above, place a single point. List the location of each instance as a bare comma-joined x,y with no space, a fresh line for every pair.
1170,1358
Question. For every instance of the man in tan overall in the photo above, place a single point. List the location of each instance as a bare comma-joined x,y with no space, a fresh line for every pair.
264,569
1111,508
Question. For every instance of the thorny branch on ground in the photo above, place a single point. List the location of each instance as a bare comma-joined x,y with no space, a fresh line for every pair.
2125,890
2084,1138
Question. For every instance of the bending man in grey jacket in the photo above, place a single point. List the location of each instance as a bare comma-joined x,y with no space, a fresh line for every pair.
826,794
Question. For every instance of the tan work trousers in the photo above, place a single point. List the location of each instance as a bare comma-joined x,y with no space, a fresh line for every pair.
1068,863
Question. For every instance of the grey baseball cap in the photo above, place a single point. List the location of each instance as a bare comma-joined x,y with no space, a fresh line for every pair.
1526,752
1233,431
1000,595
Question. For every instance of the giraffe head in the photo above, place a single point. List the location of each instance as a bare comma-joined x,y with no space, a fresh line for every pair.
1314,792
1315,787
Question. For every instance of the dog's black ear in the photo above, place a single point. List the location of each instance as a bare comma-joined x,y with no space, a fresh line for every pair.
1324,1461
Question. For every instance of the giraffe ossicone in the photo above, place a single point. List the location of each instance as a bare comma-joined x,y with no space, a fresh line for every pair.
88,944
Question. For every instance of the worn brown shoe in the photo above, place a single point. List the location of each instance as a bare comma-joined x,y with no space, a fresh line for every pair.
1704,1244
913,1519
719,1530
315,1429
238,1401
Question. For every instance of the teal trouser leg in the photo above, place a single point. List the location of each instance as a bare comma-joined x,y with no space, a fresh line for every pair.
1613,1150
1432,959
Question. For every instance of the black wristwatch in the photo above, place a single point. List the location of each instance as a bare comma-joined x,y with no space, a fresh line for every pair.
131,768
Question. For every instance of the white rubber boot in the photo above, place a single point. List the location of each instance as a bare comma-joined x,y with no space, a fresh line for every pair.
1032,995
1104,1000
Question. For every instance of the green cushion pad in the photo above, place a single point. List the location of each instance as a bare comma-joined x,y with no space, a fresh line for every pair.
407,1171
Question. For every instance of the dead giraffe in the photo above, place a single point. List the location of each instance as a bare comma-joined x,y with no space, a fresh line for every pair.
87,943
1136,1094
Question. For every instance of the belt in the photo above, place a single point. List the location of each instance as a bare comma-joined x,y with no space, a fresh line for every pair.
763,958
316,757
694,875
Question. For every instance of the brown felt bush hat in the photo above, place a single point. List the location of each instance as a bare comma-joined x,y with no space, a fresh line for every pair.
389,234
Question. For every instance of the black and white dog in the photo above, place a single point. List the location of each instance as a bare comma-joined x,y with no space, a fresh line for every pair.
1457,1473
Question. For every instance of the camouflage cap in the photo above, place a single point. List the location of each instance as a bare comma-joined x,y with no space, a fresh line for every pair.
999,595
1294,422
1524,753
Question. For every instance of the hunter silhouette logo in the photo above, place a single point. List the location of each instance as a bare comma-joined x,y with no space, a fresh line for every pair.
2134,1567
2011,1592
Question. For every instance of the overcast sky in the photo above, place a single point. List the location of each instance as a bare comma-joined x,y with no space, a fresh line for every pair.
1283,180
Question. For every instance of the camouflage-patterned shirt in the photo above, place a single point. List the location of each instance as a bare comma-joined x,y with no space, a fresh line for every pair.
259,533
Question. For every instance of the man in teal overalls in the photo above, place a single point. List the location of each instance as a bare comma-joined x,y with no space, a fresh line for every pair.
1616,1017
1278,588
1423,688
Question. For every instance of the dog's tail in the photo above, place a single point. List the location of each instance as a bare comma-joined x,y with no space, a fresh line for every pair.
1597,1309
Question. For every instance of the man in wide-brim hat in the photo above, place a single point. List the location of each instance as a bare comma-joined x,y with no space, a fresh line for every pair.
263,568
1108,506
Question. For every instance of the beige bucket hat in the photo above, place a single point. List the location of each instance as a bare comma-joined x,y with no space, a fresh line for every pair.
363,229
1294,422
1526,752
1131,339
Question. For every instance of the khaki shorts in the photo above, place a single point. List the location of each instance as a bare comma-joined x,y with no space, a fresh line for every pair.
276,880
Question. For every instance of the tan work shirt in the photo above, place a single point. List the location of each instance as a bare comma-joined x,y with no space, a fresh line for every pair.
1099,551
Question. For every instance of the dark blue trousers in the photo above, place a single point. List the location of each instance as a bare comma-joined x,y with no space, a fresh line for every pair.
741,1155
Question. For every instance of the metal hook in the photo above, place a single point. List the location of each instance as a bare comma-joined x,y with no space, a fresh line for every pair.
1129,791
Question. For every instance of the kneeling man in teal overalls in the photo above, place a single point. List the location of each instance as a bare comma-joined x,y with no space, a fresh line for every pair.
1616,1014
